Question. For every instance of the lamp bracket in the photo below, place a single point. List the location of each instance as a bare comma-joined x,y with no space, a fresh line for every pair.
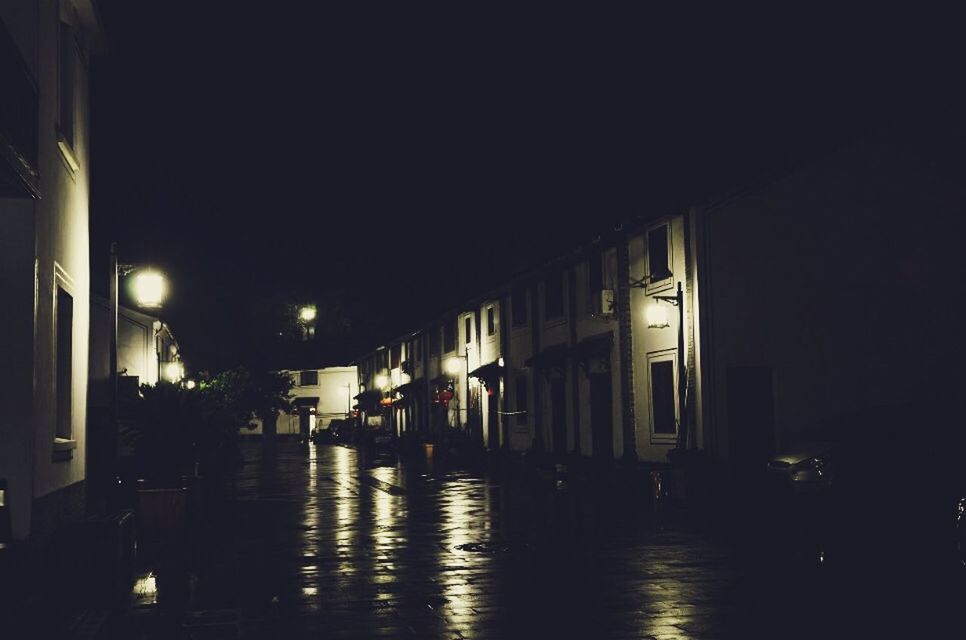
671,299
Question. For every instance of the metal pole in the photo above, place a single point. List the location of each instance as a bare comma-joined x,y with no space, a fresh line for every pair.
682,374
113,311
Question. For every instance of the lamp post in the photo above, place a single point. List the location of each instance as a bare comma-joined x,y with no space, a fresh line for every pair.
657,319
453,368
383,383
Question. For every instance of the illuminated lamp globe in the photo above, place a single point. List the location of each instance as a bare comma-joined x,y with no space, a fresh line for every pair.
657,317
307,313
382,381
453,366
149,289
173,371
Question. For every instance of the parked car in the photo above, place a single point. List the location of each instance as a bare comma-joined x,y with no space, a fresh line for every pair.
887,491
806,468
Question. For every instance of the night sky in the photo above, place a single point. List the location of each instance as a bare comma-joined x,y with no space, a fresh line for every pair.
392,162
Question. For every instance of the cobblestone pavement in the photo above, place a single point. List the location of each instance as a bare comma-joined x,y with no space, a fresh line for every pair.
322,544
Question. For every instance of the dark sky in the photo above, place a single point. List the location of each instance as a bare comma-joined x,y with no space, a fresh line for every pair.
396,160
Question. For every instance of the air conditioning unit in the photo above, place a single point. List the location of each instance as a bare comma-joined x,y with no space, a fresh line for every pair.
604,302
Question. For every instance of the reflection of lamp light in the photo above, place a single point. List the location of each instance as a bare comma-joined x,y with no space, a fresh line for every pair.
382,381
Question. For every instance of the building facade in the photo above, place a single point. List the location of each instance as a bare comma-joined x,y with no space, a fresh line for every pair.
318,396
45,50
730,327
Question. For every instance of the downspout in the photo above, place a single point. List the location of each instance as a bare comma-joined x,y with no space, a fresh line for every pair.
625,351
574,370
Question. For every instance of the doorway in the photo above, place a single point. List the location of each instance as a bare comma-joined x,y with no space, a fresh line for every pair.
751,416
602,416
558,417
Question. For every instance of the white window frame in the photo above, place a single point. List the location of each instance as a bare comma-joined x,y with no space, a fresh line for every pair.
665,355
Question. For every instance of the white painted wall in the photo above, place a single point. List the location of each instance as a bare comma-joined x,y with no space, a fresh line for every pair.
45,244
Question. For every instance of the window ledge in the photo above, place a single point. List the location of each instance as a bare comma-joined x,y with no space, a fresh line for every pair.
63,449
68,153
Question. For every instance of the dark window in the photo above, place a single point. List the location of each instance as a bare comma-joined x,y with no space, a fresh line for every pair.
449,337
518,306
490,321
553,297
657,253
394,352
521,399
468,329
415,355
65,72
433,338
662,396
308,378
64,355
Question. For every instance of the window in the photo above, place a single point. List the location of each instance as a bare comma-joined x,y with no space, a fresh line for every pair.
553,297
518,306
449,337
394,355
468,329
658,255
490,321
414,353
662,396
433,338
308,378
65,356
521,399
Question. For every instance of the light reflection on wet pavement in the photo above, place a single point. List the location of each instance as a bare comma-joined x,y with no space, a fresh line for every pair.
322,544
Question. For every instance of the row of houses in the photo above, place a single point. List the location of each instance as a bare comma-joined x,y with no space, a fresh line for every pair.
827,295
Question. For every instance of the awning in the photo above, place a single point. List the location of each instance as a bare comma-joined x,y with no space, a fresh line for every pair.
411,388
489,374
440,380
593,353
599,344
372,395
554,357
305,401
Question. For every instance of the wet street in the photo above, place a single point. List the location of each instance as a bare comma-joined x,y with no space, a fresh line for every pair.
319,543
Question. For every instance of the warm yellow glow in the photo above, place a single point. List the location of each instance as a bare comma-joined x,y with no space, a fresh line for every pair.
657,317
149,289
173,371
382,381
454,365
190,384
307,313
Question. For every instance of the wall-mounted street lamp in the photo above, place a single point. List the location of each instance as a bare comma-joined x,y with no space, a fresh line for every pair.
150,288
656,315
382,381
307,313
173,372
454,365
